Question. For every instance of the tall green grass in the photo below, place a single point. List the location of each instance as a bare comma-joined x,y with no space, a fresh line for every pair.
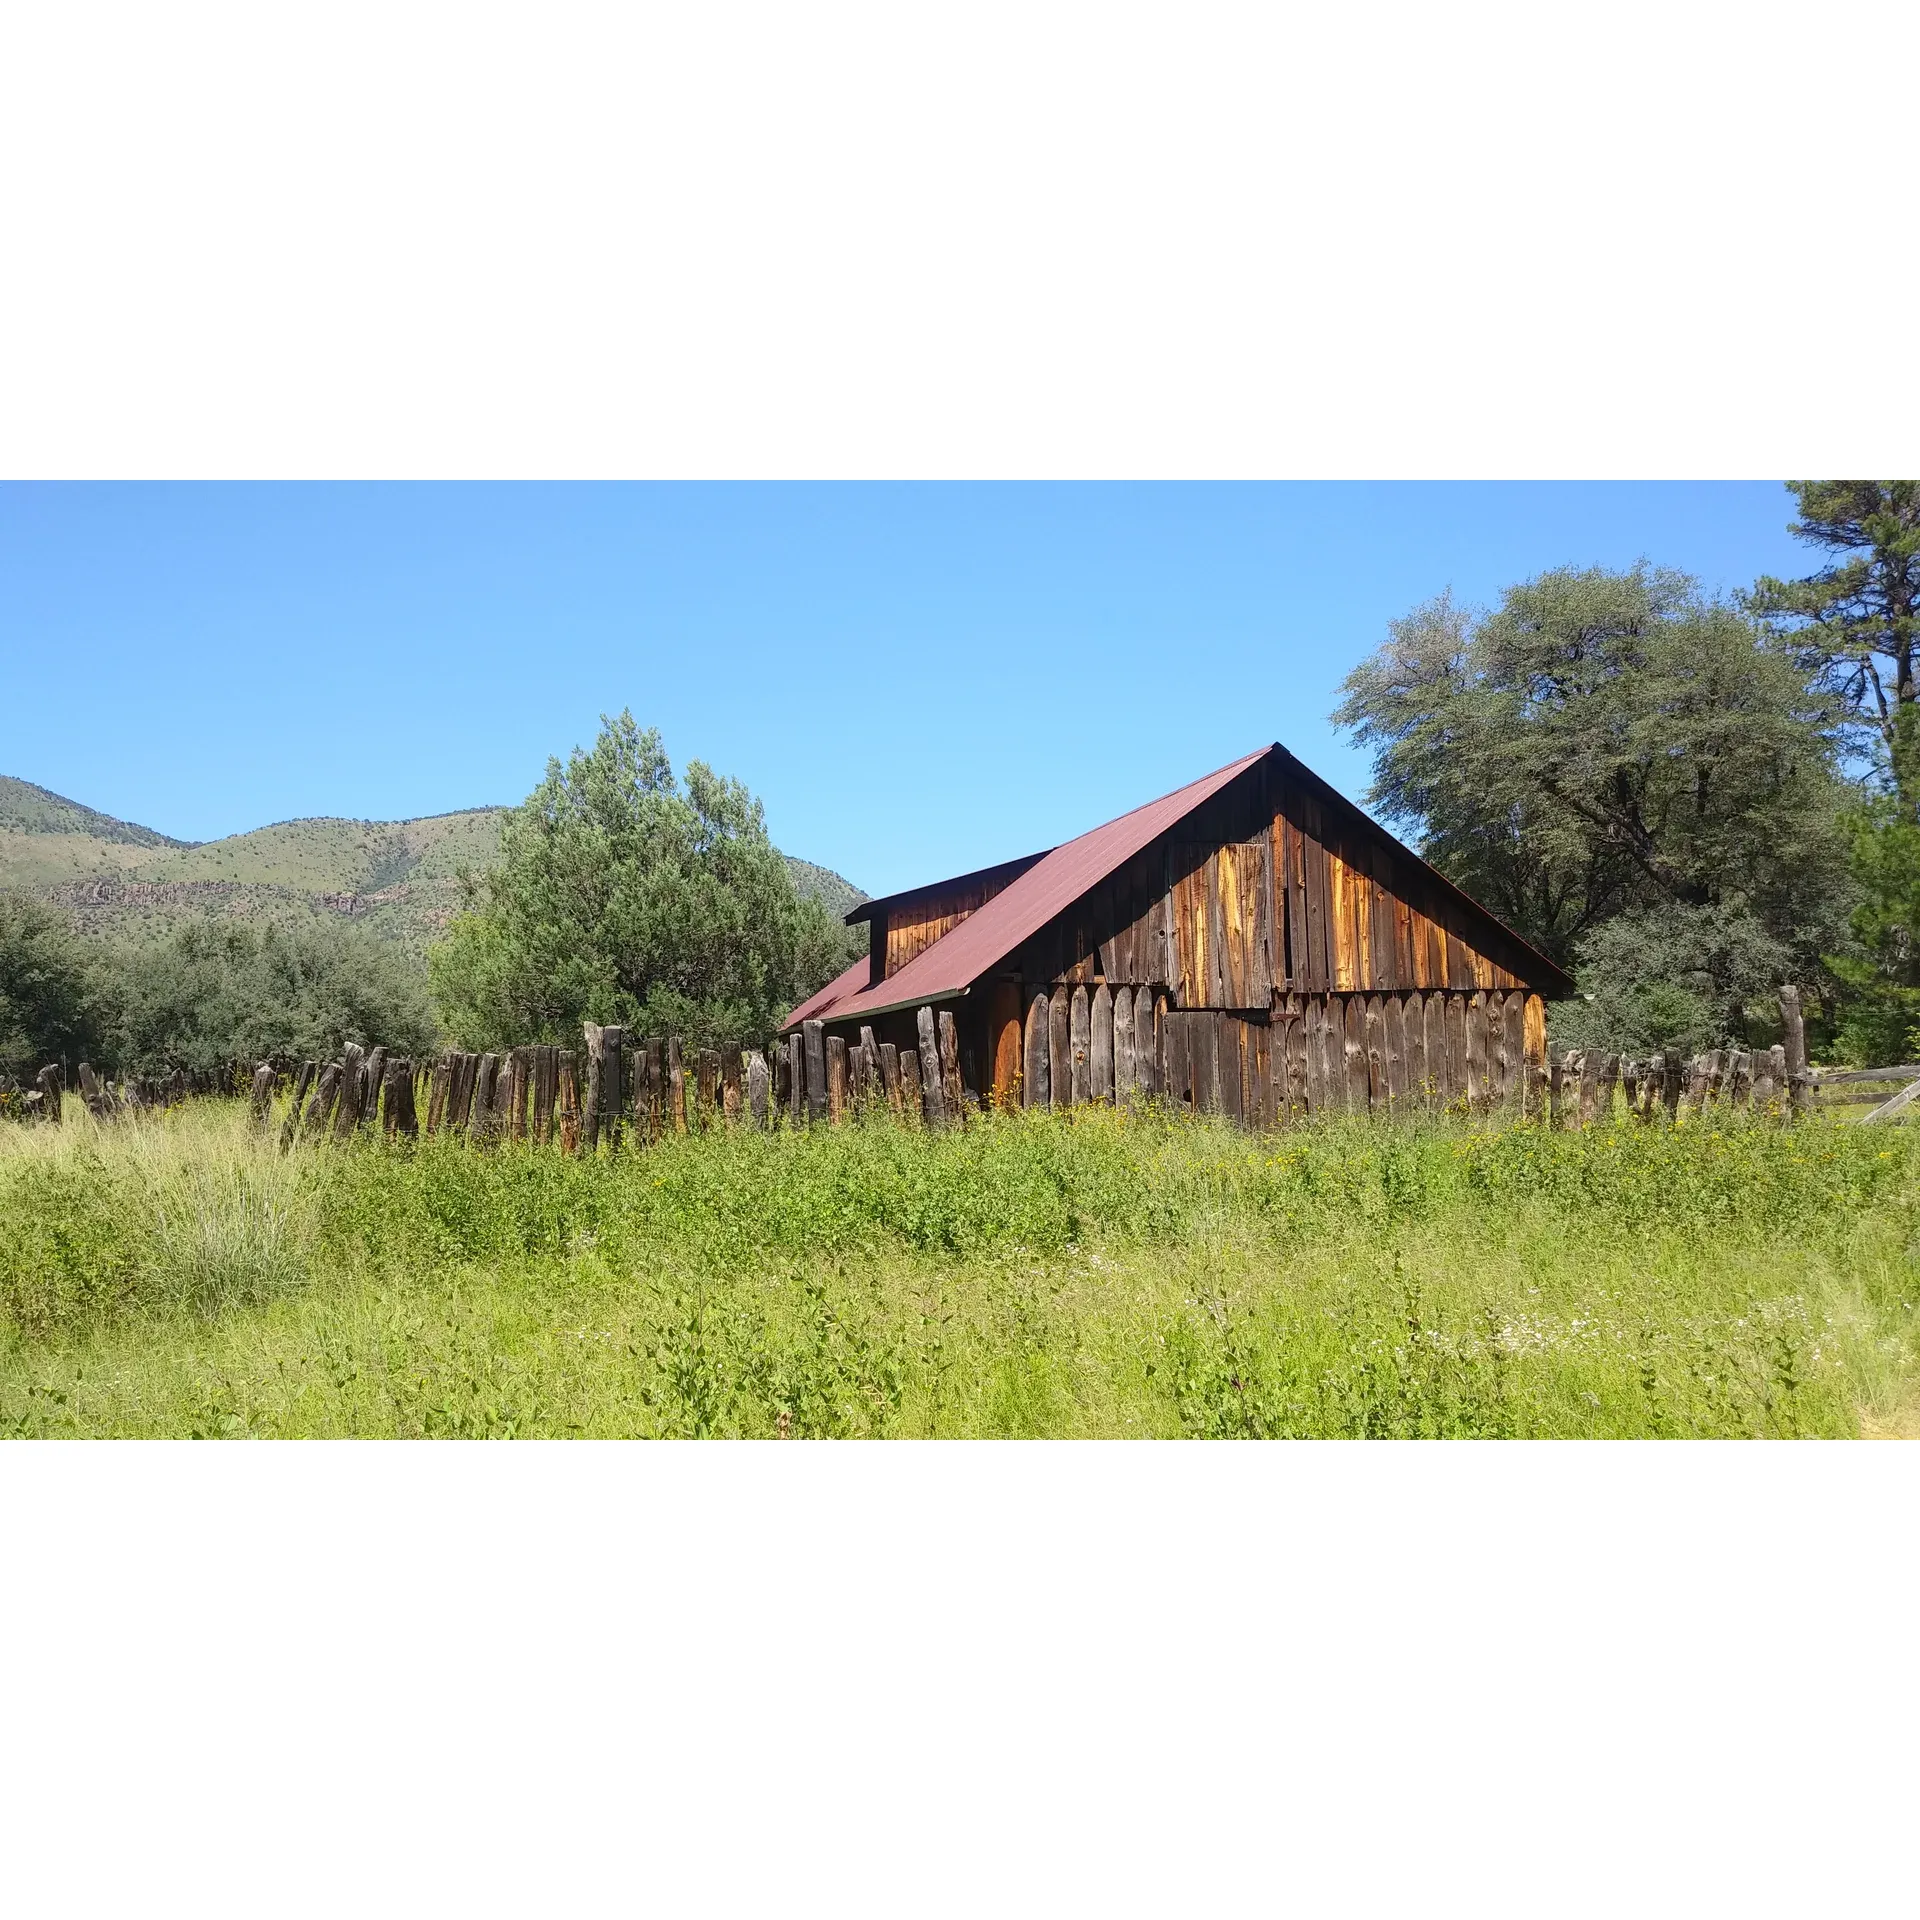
1094,1274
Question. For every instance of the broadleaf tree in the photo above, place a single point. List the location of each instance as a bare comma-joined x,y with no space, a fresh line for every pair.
1605,743
624,895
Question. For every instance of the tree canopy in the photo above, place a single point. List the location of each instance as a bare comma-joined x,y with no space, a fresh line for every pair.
1855,621
624,896
53,1000
212,994
1609,743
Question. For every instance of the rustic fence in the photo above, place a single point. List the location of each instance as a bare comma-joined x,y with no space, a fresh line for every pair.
617,1086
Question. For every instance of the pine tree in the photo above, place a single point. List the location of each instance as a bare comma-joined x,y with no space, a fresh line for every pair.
1855,620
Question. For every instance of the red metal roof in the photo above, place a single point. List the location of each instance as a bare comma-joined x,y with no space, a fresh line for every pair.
957,959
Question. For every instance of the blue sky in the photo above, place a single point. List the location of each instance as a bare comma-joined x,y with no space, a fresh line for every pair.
916,679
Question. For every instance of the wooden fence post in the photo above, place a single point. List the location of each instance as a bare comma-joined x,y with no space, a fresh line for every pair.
836,1078
931,1097
1799,1080
676,1087
730,1086
910,1091
890,1075
707,1084
953,1092
1740,1077
347,1114
290,1126
262,1094
814,1052
590,1093
758,1089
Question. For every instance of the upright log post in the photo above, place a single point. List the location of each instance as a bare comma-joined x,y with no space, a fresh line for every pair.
814,1033
890,1076
676,1087
836,1078
953,1093
592,1058
347,1114
1794,1040
931,1096
52,1092
707,1081
262,1094
758,1089
730,1086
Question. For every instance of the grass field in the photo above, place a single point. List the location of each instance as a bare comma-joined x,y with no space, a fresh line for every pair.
1095,1275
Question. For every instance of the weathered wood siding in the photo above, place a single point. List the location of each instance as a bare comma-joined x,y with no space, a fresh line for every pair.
909,927
1310,1053
1266,890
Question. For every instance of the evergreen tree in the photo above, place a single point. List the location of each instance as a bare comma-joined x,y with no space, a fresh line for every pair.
1855,620
624,897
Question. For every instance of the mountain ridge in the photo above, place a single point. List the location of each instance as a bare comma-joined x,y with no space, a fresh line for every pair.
401,877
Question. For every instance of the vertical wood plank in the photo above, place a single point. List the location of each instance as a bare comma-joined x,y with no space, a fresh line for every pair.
1313,1022
730,1094
1176,1059
1374,1029
890,1076
1454,1018
1148,1075
1399,1081
1513,1017
912,1098
1060,1047
1414,1014
1354,1052
758,1090
1122,1015
1100,1045
1080,1045
1533,1047
1036,1076
1477,1053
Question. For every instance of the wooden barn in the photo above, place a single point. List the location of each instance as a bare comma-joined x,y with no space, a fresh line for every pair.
1252,944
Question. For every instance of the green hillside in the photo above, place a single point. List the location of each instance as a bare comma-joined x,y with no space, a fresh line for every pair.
398,877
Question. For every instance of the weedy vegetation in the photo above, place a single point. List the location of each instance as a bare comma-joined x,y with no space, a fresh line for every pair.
1092,1273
